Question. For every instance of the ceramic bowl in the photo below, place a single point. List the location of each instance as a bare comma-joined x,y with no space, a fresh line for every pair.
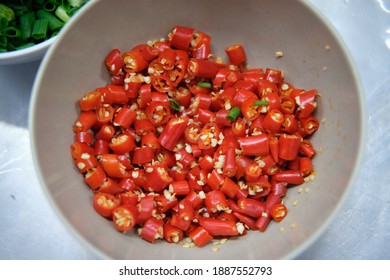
314,56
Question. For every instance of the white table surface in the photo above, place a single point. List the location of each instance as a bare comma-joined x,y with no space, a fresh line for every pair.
29,228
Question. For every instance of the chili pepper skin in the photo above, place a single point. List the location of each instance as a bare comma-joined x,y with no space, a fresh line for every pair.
250,207
95,177
307,148
85,121
91,101
249,110
125,217
254,145
306,102
229,187
217,227
112,166
271,200
273,121
145,209
274,75
166,201
172,234
236,54
181,37
263,221
289,145
134,61
114,62
79,148
230,167
215,201
248,221
201,52
290,124
195,198
179,222
152,230
202,68
158,112
289,176
179,187
110,186
125,117
143,155
287,104
278,212
173,132
118,94
122,144
148,52
310,125
215,179
200,236
105,203
278,188
157,178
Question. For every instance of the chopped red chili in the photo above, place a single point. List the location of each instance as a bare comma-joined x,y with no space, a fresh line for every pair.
180,145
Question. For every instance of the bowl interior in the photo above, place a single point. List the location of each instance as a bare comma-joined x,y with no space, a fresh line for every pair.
314,57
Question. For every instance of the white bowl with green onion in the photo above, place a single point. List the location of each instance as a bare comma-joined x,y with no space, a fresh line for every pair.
29,27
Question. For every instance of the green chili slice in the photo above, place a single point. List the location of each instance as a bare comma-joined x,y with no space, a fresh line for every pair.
260,103
175,105
233,114
204,85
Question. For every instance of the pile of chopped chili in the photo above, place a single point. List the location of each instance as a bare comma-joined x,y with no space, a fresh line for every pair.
180,144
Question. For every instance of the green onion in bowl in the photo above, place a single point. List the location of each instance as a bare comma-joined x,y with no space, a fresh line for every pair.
26,23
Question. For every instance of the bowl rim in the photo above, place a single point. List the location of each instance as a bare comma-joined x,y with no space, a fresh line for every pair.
293,254
362,135
9,56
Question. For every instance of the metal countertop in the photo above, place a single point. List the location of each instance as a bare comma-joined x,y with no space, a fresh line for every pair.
29,228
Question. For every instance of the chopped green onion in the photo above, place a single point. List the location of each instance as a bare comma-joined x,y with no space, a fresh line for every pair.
204,85
40,29
62,14
26,3
19,10
175,105
7,13
13,32
3,41
10,45
76,3
39,3
55,33
23,46
3,23
54,22
49,6
233,114
58,2
260,103
26,24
